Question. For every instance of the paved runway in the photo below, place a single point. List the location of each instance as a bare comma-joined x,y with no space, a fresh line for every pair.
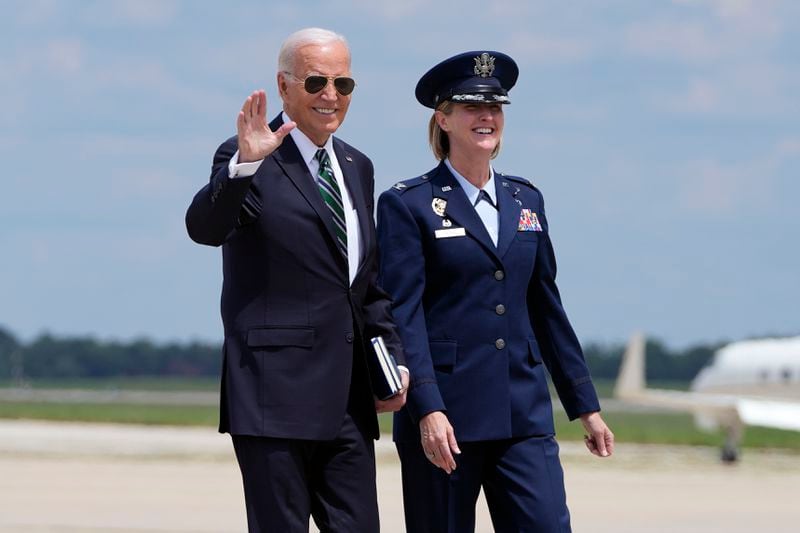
74,478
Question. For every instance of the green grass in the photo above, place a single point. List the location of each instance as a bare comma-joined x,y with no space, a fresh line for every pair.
605,387
178,415
661,428
675,428
151,383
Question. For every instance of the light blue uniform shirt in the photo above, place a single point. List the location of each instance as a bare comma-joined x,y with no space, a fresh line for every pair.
487,212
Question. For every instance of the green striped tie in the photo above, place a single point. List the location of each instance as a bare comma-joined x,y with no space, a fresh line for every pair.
332,195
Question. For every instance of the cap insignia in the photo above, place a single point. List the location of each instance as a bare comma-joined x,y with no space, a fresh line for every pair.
484,65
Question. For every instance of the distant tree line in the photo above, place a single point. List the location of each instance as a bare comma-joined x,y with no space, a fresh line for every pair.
50,357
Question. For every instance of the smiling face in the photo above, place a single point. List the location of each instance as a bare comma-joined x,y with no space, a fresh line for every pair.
320,114
472,127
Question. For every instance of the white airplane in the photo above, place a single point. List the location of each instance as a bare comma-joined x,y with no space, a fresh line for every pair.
753,382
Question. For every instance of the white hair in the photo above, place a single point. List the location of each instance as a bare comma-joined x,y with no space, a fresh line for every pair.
304,37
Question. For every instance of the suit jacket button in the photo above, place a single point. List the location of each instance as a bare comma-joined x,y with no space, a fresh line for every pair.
349,338
499,344
500,309
499,275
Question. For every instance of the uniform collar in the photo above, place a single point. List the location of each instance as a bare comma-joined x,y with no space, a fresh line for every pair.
470,190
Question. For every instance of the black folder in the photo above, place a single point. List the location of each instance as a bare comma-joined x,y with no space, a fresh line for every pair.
383,370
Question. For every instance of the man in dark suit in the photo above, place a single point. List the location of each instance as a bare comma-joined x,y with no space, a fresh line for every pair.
292,206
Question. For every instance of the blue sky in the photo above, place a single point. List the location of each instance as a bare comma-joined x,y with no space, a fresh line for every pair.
665,136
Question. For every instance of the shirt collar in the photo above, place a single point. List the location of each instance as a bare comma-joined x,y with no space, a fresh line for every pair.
470,190
307,148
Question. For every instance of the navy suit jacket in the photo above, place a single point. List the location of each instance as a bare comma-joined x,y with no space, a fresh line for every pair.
478,320
294,325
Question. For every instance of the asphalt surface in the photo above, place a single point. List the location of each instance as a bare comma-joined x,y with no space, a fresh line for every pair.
75,477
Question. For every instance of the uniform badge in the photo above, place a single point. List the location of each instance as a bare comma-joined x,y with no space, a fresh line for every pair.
528,221
399,186
446,223
484,65
439,205
447,188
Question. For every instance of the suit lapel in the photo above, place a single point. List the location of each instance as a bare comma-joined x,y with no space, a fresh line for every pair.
510,210
289,159
458,207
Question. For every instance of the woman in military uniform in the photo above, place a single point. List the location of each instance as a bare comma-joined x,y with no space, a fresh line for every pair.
467,258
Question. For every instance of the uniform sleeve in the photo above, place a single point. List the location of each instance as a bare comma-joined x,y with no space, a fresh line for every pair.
377,302
558,343
219,206
402,275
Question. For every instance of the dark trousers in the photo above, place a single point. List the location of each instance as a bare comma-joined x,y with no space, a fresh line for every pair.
286,480
522,480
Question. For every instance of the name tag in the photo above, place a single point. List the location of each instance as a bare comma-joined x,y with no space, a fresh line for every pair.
450,232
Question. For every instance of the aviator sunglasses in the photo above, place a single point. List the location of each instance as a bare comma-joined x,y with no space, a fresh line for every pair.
314,84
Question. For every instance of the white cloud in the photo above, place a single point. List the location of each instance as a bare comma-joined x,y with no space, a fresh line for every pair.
707,185
531,48
65,56
788,148
701,96
131,12
37,12
746,89
762,17
392,10
684,40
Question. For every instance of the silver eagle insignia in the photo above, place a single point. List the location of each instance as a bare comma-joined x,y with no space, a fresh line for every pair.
484,65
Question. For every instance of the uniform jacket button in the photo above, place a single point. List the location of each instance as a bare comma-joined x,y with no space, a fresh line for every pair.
500,309
349,338
499,275
499,344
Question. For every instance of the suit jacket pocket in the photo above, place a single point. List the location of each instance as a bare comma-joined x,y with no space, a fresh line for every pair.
267,336
535,355
443,355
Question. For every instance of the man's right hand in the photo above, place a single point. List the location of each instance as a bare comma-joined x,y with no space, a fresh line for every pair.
438,440
256,140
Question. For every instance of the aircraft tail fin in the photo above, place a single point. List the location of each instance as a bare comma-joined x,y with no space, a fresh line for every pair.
631,378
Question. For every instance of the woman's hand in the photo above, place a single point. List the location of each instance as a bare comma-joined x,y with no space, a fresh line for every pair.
598,438
438,440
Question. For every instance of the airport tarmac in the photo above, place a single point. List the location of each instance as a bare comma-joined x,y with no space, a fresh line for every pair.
75,478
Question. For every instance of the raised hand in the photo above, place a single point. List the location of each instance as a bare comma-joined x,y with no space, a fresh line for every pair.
256,140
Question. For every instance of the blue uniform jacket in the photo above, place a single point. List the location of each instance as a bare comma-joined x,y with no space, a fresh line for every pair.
478,323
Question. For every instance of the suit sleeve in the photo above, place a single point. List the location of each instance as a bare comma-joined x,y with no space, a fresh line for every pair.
558,343
403,276
377,302
222,204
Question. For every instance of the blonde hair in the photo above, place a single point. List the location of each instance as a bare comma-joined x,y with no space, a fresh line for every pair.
437,137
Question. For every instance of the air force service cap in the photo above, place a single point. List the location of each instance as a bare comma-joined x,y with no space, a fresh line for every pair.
480,77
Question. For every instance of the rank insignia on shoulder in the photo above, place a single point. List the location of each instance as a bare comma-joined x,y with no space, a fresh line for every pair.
399,186
438,205
528,221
